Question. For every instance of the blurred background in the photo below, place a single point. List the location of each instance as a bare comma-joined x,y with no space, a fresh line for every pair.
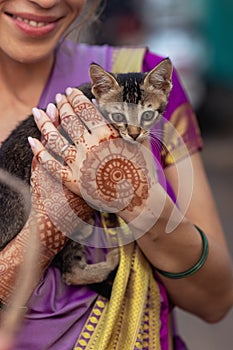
198,37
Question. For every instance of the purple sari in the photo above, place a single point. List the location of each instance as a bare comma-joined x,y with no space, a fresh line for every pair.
57,312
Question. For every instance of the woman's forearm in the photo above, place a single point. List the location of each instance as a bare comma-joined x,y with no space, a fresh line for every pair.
33,246
207,293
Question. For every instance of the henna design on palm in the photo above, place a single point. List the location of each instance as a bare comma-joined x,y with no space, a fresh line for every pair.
114,177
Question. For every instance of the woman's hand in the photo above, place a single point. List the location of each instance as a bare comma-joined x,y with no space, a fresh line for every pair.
85,127
110,174
44,233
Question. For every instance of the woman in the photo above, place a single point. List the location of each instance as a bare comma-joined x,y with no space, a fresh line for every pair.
33,69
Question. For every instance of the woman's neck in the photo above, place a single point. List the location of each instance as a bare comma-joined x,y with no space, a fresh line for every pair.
24,82
21,86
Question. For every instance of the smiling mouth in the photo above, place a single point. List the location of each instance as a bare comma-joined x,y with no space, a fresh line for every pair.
30,22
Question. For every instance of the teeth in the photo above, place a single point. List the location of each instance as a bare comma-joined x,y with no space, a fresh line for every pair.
30,22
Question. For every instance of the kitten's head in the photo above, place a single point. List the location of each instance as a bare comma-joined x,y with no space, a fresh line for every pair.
132,102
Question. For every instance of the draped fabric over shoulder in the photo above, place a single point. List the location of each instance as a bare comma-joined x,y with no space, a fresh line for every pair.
59,315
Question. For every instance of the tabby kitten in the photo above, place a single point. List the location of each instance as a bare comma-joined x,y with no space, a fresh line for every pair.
132,103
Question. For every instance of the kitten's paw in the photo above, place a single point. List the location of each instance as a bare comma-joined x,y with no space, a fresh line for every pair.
67,278
72,278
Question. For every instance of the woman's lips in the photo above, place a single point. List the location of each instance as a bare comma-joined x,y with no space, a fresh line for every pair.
33,25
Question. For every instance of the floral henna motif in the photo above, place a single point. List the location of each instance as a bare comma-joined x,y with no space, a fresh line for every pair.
65,209
85,109
56,169
114,176
73,126
51,165
69,153
44,129
88,113
60,145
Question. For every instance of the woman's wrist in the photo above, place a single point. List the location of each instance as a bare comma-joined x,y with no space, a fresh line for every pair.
174,252
194,268
143,218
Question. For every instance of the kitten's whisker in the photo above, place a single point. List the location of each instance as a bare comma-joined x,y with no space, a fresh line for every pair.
157,135
157,145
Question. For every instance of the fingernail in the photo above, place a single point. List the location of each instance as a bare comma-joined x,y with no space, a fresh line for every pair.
69,91
94,102
58,98
51,111
31,142
36,113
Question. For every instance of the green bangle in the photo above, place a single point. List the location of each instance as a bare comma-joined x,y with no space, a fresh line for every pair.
196,267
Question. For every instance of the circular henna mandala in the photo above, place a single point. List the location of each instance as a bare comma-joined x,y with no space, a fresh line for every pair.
117,177
114,176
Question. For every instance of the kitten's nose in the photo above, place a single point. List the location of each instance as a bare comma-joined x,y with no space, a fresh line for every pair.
134,131
135,135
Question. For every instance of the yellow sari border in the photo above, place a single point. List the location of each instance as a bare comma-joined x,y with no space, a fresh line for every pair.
130,320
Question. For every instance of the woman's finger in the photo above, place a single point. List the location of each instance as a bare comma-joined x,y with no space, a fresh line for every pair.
56,169
54,140
70,122
53,114
85,109
97,128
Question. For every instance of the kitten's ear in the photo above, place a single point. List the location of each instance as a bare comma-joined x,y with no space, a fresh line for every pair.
160,77
101,80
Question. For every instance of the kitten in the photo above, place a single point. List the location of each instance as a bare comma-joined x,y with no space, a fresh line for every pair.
132,103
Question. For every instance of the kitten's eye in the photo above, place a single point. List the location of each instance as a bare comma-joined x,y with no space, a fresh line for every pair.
118,117
148,116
